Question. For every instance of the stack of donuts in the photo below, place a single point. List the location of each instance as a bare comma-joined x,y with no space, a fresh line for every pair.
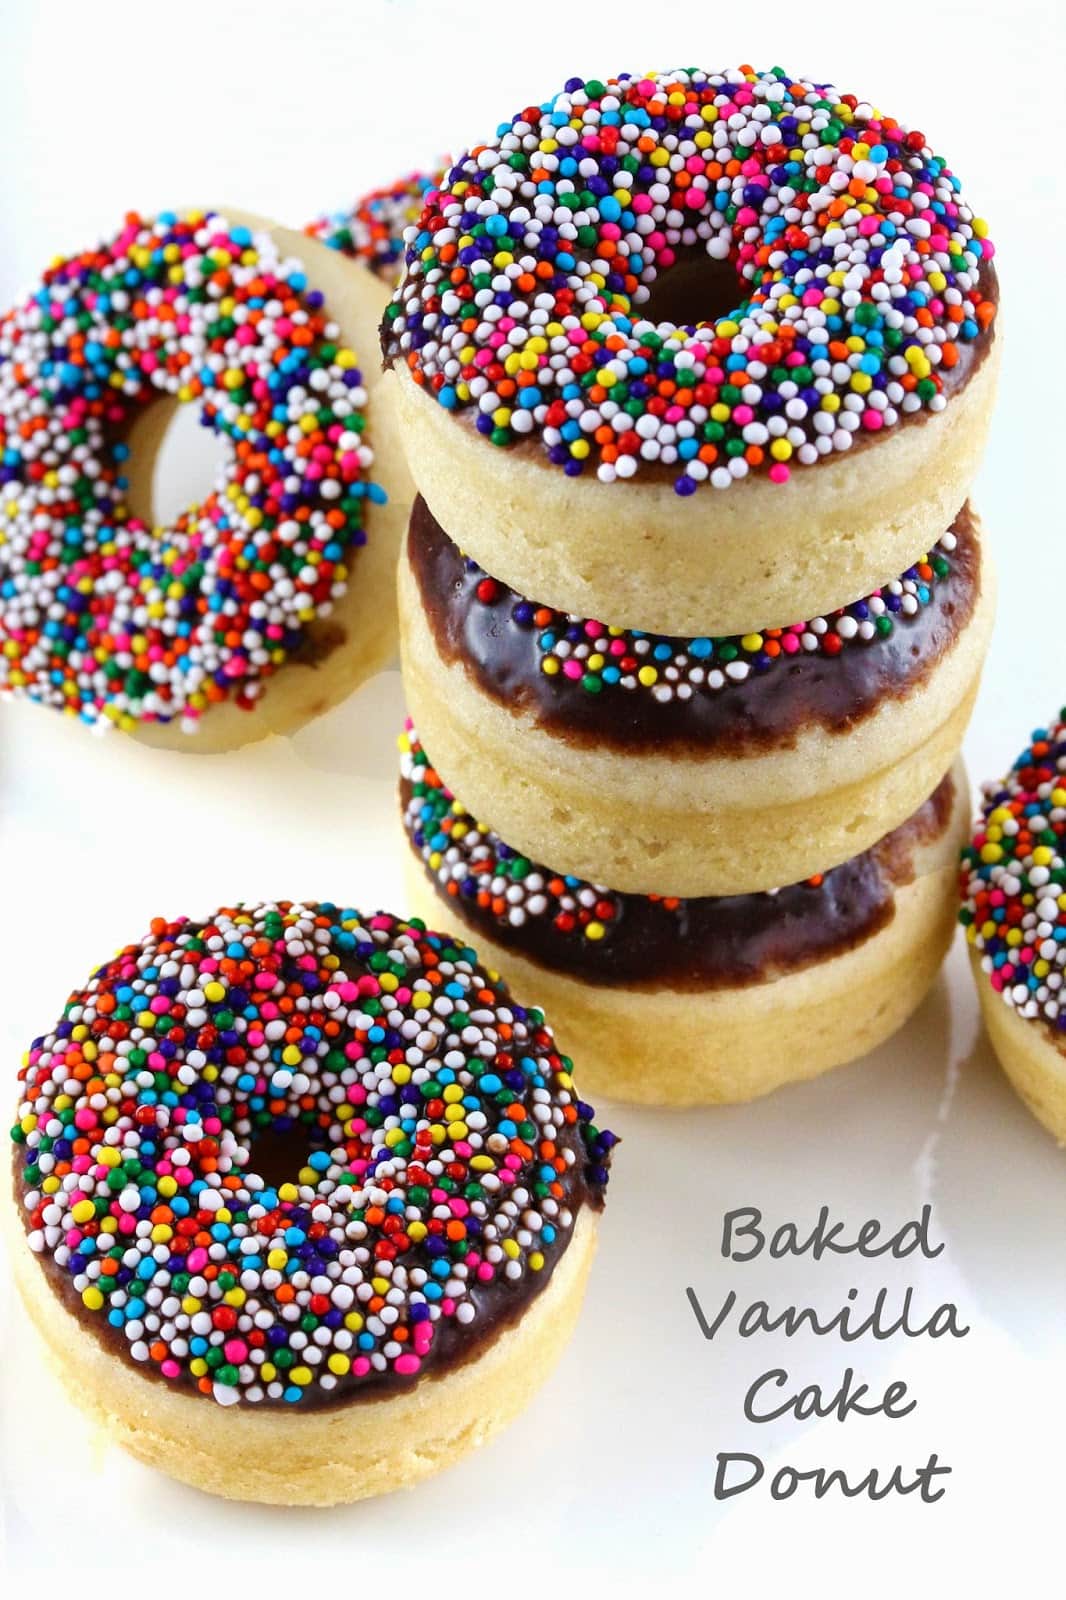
694,373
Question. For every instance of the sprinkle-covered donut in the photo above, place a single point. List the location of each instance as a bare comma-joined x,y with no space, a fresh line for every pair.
102,616
1013,890
622,971
862,287
447,1155
1014,881
372,230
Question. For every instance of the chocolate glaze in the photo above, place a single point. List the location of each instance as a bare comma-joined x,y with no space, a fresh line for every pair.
318,642
766,711
727,941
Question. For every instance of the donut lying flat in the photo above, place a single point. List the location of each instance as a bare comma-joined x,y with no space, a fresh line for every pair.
696,351
1014,911
834,964
786,750
269,601
381,1309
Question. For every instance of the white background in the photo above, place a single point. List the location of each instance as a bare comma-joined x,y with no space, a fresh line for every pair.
605,1485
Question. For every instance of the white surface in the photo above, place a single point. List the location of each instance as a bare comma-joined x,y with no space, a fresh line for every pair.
608,1478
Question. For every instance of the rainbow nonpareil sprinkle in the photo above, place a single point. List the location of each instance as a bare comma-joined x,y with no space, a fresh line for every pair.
860,281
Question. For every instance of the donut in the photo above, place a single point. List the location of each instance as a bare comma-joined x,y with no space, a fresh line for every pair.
788,749
672,1001
304,1200
732,335
1013,888
371,231
270,600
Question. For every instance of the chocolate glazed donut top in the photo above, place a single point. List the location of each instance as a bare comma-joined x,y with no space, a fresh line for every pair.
438,1156
633,692
652,942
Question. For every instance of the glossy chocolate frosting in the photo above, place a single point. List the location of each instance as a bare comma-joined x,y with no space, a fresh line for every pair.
717,942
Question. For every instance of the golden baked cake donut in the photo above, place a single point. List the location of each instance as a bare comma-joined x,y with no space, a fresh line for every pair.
386,1298
272,599
640,983
696,352
1013,885
693,766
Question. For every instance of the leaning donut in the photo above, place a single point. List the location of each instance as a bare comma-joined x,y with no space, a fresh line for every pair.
271,599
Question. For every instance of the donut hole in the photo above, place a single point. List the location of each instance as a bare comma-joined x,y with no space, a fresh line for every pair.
278,1153
175,461
696,289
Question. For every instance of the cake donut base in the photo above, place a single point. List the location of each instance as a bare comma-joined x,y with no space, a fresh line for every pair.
758,554
608,815
679,1047
321,1457
358,638
1027,1052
